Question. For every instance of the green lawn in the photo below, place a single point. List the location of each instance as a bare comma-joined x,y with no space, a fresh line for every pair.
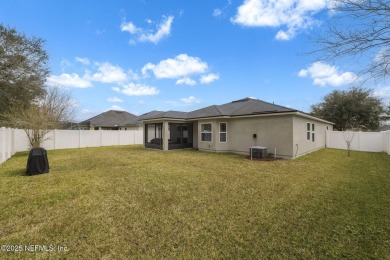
127,202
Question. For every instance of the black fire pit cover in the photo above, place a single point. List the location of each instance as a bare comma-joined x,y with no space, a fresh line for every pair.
37,162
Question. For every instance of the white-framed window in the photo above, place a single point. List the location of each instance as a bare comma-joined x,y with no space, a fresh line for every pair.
310,132
206,131
222,132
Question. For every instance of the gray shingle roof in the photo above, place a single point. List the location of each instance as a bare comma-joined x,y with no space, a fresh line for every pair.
136,120
111,118
246,106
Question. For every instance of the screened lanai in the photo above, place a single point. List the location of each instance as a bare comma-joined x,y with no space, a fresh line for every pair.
180,135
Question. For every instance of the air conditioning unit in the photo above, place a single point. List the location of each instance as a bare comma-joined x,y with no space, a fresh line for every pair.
258,152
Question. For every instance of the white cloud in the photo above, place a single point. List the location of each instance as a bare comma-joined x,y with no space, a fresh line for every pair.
108,73
324,74
144,35
65,63
164,29
190,100
132,75
115,107
130,27
102,72
187,101
133,89
295,15
68,80
84,61
207,79
114,100
186,81
180,66
217,12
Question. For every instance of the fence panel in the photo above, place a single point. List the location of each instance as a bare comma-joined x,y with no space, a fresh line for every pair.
90,138
65,139
15,140
110,137
361,141
371,142
3,151
21,142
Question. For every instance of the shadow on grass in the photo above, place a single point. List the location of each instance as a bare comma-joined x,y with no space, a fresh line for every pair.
17,172
20,169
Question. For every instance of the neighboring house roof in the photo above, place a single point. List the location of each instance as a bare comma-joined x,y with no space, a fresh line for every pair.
111,118
385,128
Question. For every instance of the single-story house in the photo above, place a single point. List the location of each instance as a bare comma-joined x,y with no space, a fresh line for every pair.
235,127
109,120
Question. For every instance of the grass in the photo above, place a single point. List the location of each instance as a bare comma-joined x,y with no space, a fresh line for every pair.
128,202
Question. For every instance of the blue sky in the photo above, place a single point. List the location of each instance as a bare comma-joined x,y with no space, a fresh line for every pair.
143,55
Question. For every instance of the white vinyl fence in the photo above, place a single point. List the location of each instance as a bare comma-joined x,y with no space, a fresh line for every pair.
360,141
15,140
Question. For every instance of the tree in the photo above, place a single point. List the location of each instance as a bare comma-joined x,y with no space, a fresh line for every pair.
49,112
348,138
358,29
23,69
354,109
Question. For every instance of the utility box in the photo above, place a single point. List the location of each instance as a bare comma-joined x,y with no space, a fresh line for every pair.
258,152
37,162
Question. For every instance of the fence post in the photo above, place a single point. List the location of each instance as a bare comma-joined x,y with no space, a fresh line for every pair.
2,144
359,141
101,137
55,139
326,138
13,141
79,138
388,142
9,142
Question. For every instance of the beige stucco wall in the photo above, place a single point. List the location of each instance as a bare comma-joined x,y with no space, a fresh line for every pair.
286,133
301,144
272,132
140,127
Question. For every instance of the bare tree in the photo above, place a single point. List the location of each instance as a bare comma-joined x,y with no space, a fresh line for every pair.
358,29
348,138
47,113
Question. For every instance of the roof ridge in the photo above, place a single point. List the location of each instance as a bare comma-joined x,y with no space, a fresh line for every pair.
289,108
242,100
